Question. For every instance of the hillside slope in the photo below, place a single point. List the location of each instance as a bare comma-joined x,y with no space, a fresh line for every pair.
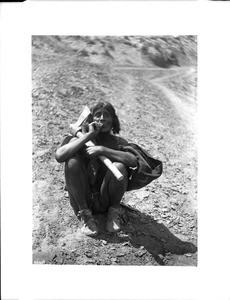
152,83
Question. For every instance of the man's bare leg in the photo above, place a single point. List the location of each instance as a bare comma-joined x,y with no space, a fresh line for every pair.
112,192
77,183
80,193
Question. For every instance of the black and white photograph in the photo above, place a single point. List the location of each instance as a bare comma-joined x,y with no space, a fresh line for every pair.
128,103
114,150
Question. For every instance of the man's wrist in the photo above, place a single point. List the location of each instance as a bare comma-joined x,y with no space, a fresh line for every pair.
91,134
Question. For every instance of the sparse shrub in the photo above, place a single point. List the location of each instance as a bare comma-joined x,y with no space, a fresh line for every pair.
111,47
57,37
77,37
158,60
103,43
142,39
91,42
84,53
145,49
125,42
107,53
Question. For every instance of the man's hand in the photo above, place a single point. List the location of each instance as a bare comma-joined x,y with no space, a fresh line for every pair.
94,127
74,129
94,151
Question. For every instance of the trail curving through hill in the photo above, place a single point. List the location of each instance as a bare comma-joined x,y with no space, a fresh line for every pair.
184,105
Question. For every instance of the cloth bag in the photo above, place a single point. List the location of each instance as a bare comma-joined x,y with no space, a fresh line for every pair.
148,168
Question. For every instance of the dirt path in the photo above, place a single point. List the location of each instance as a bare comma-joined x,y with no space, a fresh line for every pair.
160,225
183,109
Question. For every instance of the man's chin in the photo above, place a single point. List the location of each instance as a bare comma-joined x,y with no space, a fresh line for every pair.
105,130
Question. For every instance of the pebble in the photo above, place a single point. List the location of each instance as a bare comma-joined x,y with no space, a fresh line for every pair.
90,261
141,253
160,222
164,209
89,255
120,254
126,244
188,254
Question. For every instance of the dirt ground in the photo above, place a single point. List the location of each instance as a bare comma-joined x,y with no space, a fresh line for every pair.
157,109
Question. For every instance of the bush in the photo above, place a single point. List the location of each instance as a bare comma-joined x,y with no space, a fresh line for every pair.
145,49
111,47
84,53
107,53
91,42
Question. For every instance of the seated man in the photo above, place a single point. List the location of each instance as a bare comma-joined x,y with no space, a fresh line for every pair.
91,186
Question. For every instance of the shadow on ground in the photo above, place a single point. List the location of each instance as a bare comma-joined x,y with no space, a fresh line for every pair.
141,230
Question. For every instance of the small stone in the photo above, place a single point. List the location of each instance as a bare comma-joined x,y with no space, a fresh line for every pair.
126,244
188,254
54,257
164,216
90,261
159,221
164,209
120,254
141,253
89,255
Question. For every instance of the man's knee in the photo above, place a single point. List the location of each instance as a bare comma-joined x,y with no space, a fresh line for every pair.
73,165
121,167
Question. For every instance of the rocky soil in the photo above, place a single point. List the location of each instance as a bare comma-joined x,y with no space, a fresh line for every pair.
152,83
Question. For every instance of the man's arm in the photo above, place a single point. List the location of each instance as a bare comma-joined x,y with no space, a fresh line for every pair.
126,158
69,150
75,144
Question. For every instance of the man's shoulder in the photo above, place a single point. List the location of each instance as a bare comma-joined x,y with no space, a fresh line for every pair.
121,141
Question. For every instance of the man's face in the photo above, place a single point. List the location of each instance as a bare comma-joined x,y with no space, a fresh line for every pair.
104,117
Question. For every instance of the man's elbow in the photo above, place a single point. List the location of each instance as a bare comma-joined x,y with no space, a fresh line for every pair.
59,157
132,161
